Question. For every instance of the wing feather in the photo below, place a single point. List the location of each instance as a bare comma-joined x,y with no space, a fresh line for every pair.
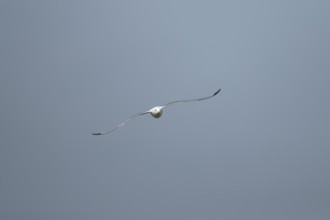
122,124
191,100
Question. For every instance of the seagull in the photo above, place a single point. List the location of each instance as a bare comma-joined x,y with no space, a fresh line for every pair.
156,111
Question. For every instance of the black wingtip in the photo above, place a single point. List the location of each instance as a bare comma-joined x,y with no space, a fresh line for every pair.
96,133
216,92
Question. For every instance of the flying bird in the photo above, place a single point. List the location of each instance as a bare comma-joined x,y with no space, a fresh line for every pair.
156,111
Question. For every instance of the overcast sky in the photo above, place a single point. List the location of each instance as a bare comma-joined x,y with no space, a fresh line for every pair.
258,150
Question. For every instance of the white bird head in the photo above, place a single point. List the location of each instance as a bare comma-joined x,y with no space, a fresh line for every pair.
157,111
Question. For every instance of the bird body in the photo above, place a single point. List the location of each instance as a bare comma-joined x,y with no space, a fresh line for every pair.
156,111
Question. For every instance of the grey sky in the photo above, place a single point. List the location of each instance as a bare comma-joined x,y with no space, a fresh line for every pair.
258,150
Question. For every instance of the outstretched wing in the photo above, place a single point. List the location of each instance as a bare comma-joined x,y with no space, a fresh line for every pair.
120,125
192,100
